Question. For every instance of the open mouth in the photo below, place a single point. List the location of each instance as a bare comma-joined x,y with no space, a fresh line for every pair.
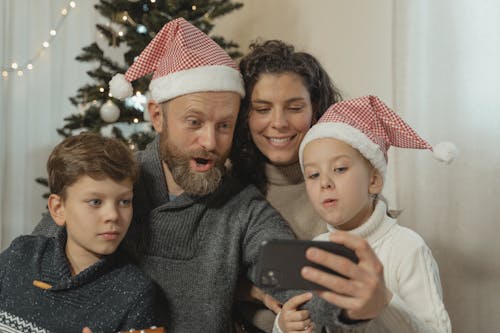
200,164
201,161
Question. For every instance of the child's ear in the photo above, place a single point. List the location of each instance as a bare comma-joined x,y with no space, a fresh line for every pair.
156,115
376,182
56,209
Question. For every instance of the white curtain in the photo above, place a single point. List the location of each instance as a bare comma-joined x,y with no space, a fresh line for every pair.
32,106
447,86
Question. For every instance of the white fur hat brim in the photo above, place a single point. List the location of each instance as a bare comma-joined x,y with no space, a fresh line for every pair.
198,79
350,135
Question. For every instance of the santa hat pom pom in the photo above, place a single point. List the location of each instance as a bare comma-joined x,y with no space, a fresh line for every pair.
445,152
119,87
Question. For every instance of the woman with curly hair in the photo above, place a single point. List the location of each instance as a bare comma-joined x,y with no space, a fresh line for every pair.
286,93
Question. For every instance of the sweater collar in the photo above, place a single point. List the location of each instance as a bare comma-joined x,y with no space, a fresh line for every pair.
377,225
56,271
284,175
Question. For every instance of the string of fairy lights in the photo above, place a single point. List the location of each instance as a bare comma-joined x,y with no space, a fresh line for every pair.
20,68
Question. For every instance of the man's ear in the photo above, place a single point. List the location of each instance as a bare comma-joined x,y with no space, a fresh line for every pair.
376,182
156,115
56,209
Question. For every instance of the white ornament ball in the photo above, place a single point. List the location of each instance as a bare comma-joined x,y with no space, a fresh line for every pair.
109,112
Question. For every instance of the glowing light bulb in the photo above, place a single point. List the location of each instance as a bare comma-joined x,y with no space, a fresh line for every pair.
29,66
101,89
125,18
45,44
20,73
72,4
110,95
153,1
193,7
5,74
53,32
120,33
64,12
14,65
136,120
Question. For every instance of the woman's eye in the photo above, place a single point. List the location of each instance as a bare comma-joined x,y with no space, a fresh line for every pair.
295,108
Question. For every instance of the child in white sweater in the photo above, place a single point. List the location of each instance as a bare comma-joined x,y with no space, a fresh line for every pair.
344,160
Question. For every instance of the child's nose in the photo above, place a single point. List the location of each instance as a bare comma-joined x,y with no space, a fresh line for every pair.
326,182
111,213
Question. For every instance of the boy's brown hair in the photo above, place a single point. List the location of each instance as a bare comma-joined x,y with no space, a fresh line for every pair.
89,154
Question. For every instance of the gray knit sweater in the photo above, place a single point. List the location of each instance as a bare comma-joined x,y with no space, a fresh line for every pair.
109,296
197,247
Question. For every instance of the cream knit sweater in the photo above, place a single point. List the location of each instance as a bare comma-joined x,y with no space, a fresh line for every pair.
410,272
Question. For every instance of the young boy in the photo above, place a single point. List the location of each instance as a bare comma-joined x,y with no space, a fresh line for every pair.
344,159
81,277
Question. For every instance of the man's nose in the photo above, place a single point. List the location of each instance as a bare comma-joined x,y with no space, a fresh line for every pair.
207,138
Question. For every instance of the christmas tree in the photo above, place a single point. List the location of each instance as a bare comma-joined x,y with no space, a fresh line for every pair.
133,23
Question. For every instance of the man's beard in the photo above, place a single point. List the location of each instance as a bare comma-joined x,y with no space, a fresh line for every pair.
193,182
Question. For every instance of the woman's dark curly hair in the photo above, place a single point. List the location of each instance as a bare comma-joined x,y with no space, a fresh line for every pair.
274,57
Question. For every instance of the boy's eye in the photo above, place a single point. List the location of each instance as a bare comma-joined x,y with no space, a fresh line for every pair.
125,202
94,202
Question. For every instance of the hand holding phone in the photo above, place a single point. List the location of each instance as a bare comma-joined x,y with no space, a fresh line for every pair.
280,263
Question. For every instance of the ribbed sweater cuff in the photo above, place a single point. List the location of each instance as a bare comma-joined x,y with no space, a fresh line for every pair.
276,327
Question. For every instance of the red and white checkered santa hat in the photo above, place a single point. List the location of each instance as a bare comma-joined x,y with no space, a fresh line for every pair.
371,127
184,60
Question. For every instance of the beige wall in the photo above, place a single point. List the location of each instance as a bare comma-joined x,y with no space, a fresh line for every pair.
351,38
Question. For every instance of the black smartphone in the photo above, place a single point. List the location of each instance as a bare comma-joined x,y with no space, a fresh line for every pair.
280,262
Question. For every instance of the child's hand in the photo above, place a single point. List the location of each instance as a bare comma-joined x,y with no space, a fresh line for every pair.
364,295
293,320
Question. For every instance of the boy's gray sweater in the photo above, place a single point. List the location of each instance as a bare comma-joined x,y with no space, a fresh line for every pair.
197,247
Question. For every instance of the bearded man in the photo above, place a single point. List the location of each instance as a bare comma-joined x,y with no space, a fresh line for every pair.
195,230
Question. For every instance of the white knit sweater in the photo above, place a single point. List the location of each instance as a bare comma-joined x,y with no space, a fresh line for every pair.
410,272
